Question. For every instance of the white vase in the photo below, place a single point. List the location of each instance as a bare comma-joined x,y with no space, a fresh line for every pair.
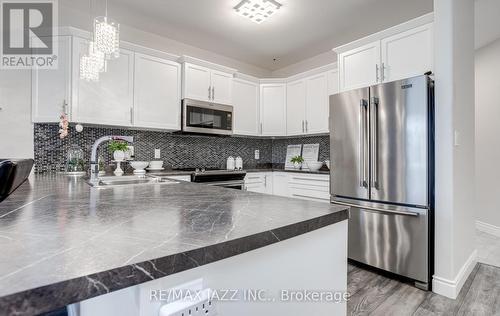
119,155
297,165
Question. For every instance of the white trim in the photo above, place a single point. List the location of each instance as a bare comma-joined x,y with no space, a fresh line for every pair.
419,21
245,77
313,72
196,61
488,228
451,288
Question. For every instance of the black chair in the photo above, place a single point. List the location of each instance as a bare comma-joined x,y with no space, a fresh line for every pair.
13,173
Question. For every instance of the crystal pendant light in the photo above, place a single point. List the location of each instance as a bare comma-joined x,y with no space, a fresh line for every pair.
107,35
97,57
89,70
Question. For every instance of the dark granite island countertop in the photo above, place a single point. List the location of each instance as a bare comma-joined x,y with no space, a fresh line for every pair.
63,242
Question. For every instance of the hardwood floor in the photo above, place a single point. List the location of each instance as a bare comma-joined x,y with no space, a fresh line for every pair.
374,294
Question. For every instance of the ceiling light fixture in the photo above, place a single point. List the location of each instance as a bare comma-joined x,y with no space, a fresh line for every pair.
257,10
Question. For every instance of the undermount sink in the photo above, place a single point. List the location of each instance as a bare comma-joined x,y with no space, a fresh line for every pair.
112,181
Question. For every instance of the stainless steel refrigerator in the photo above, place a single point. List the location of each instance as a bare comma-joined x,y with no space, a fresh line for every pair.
382,165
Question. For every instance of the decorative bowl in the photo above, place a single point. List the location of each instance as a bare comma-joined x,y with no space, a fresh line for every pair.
139,165
314,165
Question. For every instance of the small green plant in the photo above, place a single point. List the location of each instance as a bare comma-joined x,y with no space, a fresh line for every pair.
297,159
116,145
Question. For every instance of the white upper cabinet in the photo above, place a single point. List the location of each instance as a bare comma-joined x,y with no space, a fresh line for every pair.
246,107
205,84
317,104
110,100
222,87
360,67
157,93
296,108
51,88
407,54
273,109
400,52
197,83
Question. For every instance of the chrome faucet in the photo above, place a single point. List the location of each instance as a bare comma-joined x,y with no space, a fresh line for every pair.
94,166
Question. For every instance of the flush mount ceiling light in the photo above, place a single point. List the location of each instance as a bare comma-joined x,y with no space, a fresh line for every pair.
257,10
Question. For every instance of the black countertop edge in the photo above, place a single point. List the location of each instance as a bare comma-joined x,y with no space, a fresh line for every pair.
51,297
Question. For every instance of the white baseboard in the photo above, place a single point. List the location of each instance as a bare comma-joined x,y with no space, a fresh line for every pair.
488,228
451,288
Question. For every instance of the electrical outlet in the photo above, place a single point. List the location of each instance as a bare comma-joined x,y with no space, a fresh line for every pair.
131,151
257,154
200,304
157,153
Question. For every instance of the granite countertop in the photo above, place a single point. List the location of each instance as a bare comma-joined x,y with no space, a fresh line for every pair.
63,242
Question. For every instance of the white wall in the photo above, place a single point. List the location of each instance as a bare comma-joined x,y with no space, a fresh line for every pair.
305,65
488,133
455,172
16,130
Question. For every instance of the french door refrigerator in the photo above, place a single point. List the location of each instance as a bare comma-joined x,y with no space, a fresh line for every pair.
382,158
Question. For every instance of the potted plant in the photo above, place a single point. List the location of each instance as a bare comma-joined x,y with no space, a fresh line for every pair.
118,149
297,162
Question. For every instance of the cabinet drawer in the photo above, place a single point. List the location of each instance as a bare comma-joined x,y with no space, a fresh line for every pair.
316,181
310,194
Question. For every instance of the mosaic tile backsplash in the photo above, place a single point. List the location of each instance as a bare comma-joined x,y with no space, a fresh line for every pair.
177,150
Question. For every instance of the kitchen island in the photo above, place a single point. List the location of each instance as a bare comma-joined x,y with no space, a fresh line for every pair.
64,242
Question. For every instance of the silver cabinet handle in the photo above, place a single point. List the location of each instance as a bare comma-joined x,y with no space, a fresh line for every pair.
132,115
209,93
376,71
261,129
374,136
307,126
382,70
363,105
303,129
213,93
378,210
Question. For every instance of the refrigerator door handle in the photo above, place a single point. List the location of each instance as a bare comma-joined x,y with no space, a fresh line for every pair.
363,106
378,210
374,142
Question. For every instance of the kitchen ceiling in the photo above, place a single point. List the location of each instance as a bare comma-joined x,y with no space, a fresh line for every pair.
299,30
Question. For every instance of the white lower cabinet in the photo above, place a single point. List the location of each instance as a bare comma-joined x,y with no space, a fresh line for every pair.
280,184
310,186
260,182
315,187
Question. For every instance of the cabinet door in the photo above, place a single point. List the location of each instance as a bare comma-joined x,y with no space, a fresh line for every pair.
51,88
407,54
246,107
273,109
196,82
295,107
317,108
255,182
280,184
360,67
222,87
108,101
157,93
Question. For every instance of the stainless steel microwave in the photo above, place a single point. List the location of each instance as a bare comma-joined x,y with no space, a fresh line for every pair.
207,118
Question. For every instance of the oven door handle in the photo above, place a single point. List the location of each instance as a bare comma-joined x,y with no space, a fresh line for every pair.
226,183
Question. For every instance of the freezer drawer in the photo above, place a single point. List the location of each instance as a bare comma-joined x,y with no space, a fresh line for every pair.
398,243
